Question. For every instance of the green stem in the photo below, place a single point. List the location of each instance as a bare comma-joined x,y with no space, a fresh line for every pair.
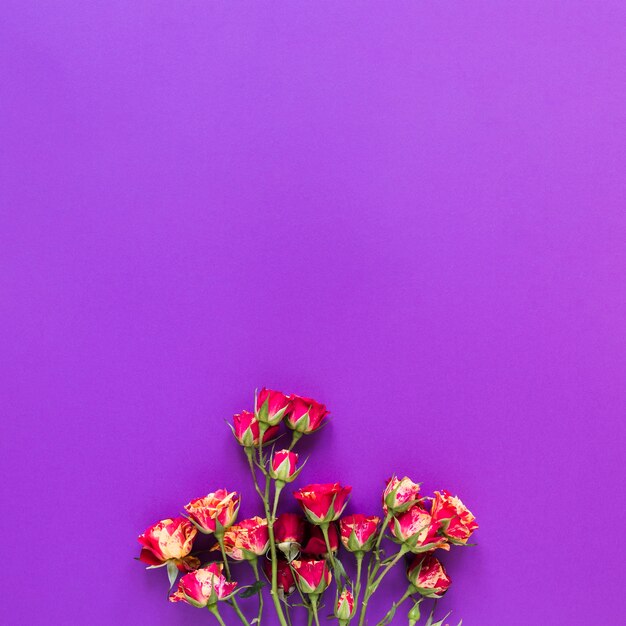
220,541
403,550
255,567
331,556
270,522
314,598
357,589
218,617
392,610
309,621
271,518
294,439
373,582
287,612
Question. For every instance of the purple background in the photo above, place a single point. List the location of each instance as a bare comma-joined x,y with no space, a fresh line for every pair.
411,211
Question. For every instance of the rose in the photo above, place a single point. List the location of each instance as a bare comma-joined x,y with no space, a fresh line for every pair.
455,520
246,430
416,531
284,577
316,545
247,540
400,495
289,527
204,587
283,466
344,606
270,407
358,533
214,512
306,415
428,576
312,576
169,540
289,530
323,503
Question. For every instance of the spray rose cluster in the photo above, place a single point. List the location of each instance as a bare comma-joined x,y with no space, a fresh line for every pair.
300,553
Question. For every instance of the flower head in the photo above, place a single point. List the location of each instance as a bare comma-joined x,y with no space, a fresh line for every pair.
204,587
456,521
323,502
215,511
400,495
358,532
246,430
246,540
415,529
306,415
270,407
428,576
169,540
312,576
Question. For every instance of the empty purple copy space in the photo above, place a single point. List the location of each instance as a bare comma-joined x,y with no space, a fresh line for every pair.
413,212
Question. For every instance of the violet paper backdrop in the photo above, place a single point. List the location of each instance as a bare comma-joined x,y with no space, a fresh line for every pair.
413,212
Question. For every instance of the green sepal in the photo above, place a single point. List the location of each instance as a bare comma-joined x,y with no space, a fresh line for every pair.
172,573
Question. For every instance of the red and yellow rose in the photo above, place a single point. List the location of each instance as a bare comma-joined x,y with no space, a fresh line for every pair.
428,576
169,540
455,520
215,511
358,532
204,587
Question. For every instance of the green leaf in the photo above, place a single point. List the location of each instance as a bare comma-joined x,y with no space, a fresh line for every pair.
252,589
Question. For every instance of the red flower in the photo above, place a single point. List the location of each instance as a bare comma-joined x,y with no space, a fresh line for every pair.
284,576
270,407
344,606
289,527
456,521
306,415
316,545
416,530
283,466
203,587
215,511
400,495
358,533
247,540
312,576
428,575
323,502
169,540
246,430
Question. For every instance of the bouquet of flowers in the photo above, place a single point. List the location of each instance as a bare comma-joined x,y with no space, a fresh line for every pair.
299,555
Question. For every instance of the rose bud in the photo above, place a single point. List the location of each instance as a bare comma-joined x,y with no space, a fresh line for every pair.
312,576
428,576
344,606
270,407
306,415
169,540
204,587
416,531
323,503
400,495
283,467
316,545
284,577
358,533
246,430
247,540
454,519
289,529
